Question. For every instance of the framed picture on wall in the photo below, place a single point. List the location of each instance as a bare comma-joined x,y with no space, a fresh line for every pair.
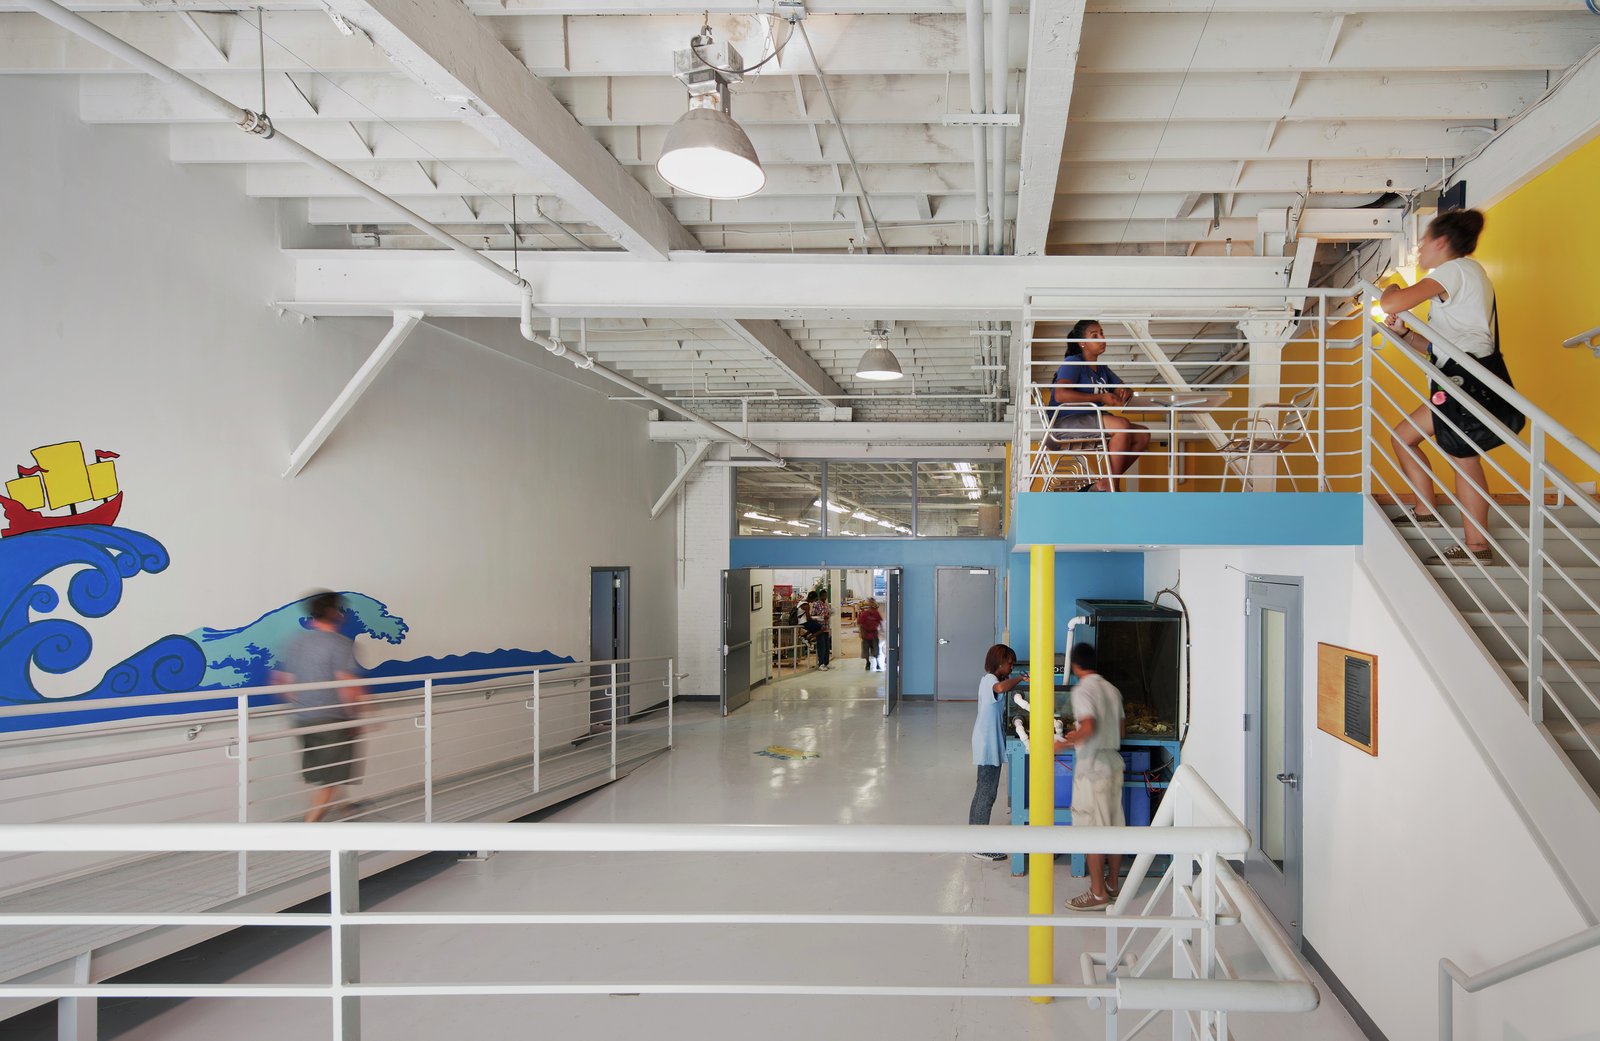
755,598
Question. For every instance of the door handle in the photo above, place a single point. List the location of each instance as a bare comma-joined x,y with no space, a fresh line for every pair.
942,641
1292,780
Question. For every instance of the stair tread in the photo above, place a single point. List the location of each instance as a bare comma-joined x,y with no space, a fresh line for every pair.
1568,736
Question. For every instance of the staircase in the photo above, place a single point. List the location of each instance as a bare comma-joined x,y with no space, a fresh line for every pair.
1493,600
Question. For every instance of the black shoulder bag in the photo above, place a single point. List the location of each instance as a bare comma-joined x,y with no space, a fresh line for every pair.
1475,437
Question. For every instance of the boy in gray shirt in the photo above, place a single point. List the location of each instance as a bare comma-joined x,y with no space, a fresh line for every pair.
322,654
1096,771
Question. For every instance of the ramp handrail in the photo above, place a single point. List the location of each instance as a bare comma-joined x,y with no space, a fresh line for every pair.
1202,983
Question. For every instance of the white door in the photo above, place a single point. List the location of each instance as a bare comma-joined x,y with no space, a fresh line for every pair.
1274,778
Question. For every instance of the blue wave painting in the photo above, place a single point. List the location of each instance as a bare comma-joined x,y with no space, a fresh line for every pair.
105,559
204,659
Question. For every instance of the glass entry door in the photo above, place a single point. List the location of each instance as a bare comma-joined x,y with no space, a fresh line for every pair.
1274,782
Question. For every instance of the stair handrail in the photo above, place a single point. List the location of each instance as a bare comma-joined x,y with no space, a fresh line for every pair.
1451,974
1444,349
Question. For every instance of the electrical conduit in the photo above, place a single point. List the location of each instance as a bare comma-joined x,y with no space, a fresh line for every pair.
999,70
980,152
259,126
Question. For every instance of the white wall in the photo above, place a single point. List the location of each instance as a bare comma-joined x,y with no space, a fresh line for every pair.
1411,856
704,517
469,491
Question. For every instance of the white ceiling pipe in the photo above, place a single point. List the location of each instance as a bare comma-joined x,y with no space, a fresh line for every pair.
980,160
999,69
260,126
585,361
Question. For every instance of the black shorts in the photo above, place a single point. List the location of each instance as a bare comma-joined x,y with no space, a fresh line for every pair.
327,756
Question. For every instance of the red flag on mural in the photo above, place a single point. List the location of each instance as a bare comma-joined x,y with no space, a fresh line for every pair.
29,471
101,456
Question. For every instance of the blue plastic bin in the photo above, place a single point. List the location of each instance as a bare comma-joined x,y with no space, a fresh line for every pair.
1063,783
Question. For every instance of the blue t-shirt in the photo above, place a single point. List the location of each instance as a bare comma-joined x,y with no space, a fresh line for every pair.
1076,370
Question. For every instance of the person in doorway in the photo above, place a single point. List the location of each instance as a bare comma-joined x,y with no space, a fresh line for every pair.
323,654
1083,391
868,622
822,635
988,733
1096,740
1463,312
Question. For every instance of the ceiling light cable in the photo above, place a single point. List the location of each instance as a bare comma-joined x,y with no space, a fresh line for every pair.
1133,209
704,40
866,200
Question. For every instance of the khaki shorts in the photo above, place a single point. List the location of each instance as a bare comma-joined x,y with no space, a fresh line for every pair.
1097,795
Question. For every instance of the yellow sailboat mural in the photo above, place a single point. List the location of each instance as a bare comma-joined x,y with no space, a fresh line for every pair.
62,479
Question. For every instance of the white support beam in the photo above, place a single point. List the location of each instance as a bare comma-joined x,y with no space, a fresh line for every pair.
938,289
1542,137
700,452
404,323
778,347
1174,377
1054,33
453,53
852,433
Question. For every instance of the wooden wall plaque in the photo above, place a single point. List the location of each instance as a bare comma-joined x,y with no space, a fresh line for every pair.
1347,696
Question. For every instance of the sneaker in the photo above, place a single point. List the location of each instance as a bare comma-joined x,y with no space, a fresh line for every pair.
1461,555
1422,520
1087,901
991,856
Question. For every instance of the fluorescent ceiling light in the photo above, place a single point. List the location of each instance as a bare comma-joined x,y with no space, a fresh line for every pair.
862,515
753,515
878,361
797,524
833,507
885,524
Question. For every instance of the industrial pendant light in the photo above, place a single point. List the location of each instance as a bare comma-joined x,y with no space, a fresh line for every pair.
878,361
706,153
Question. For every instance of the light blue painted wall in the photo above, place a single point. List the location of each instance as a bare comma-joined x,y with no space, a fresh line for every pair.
1148,519
917,557
1091,574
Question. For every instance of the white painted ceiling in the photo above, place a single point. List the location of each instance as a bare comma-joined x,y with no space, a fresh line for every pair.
1186,119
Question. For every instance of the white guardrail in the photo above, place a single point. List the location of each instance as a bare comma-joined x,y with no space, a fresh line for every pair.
1234,393
446,746
1196,983
1559,655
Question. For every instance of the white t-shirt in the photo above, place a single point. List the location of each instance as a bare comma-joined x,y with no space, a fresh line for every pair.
1094,698
1463,315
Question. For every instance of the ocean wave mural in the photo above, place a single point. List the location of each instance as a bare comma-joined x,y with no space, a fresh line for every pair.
93,562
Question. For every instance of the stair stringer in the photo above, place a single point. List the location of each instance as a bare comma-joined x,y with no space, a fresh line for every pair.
1556,805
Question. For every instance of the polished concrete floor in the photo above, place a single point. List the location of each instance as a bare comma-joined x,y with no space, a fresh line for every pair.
912,767
845,679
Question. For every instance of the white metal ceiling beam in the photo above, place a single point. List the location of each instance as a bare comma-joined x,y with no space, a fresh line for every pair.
772,343
516,8
1400,95
1537,141
593,100
1466,42
405,322
951,289
1298,140
1331,176
472,208
450,51
859,433
1054,34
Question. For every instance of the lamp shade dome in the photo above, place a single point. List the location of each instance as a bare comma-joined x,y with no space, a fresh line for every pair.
878,363
708,154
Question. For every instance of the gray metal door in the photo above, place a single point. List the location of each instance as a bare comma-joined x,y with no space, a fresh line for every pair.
608,642
964,625
735,639
892,640
1274,779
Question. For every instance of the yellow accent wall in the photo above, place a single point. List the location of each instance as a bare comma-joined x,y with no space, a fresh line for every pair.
1541,246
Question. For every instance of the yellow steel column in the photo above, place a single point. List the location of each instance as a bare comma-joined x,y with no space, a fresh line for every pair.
1041,757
